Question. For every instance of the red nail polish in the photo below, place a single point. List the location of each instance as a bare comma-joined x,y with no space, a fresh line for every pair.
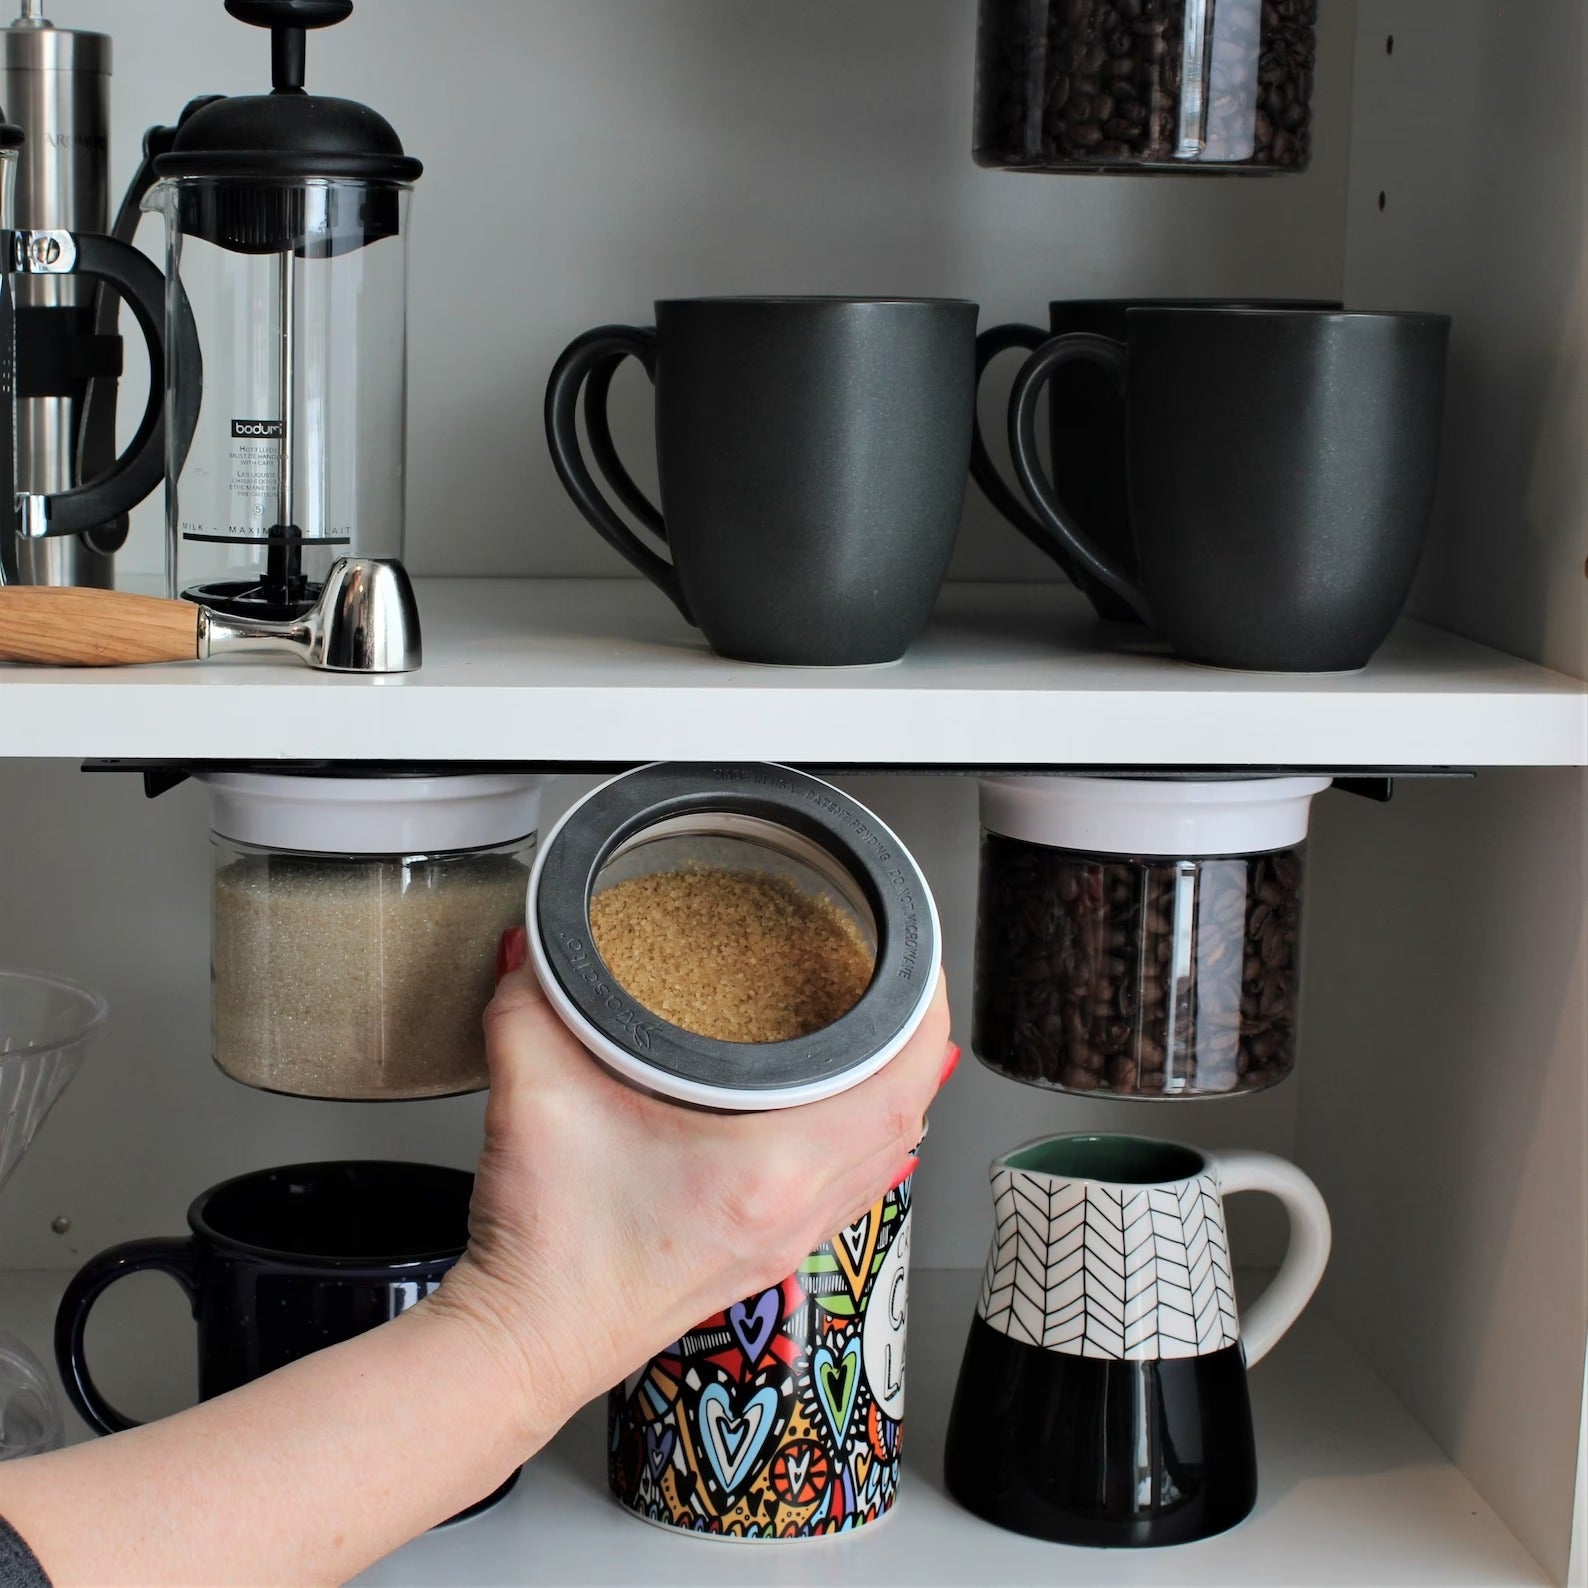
950,1064
512,951
910,1166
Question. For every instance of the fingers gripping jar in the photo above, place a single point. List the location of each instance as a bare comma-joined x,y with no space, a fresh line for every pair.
355,927
1138,937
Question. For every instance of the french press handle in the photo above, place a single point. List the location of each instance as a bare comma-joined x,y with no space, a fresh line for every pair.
139,469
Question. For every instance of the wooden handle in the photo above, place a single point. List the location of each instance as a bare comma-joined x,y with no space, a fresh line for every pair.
67,627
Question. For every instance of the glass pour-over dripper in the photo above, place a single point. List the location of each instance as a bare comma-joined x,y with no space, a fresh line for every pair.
46,1025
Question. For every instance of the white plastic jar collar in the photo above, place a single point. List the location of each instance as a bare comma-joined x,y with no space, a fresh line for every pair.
1140,816
378,815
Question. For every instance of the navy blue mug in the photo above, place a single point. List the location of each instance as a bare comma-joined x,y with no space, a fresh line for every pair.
281,1263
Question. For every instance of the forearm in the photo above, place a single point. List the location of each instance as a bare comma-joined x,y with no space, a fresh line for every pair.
306,1476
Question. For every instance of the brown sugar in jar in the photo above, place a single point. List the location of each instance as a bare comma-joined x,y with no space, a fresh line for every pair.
735,935
736,955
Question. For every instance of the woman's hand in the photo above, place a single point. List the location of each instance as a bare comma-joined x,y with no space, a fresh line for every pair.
606,1222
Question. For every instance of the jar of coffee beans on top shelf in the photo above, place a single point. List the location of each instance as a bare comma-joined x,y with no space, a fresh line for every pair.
1140,938
1145,85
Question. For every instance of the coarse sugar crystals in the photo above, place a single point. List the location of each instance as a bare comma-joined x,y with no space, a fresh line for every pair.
358,977
736,955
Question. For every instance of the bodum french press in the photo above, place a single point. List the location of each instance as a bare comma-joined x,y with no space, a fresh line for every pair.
286,240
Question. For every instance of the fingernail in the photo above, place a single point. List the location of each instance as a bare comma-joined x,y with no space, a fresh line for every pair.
512,951
910,1166
950,1064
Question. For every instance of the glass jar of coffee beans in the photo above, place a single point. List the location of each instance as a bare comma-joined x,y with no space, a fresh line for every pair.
1141,937
1145,85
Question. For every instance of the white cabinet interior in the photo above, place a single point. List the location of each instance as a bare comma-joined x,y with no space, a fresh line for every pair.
1442,1095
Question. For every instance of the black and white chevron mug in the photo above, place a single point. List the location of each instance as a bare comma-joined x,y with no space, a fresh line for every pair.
1102,1399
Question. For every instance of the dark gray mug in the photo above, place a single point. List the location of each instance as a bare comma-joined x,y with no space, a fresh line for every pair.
812,455
1281,467
1088,413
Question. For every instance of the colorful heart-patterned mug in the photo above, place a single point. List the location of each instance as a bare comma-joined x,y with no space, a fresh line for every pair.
781,1416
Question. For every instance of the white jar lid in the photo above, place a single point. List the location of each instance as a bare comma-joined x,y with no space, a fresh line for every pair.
1131,816
372,815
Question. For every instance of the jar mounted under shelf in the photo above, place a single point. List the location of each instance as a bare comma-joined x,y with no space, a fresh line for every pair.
355,927
1140,938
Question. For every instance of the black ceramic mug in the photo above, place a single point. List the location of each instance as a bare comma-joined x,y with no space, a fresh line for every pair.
1086,416
812,455
1281,468
281,1263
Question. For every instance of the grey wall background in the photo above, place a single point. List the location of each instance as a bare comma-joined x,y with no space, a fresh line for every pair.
584,157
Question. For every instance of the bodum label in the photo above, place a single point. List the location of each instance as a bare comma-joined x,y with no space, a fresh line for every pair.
256,429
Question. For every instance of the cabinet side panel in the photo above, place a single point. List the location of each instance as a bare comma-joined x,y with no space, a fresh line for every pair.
1467,195
1443,1113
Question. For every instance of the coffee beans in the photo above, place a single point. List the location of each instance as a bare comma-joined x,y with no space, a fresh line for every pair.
1158,977
1107,84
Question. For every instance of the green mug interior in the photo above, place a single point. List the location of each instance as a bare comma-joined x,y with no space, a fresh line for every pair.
1116,1160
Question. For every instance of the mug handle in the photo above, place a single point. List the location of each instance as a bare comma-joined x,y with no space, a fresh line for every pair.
166,1254
1050,514
1271,1315
990,345
590,362
136,473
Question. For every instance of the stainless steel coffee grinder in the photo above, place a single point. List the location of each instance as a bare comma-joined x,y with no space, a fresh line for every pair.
55,87
286,228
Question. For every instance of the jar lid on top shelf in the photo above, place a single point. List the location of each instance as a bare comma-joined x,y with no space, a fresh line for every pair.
377,815
1140,816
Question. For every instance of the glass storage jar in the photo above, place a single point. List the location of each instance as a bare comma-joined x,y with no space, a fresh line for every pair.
812,842
1140,937
1145,85
355,927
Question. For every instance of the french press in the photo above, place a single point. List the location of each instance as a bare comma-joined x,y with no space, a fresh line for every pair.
286,235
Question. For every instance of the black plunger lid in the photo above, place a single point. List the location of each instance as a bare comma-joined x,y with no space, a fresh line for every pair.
287,132
11,135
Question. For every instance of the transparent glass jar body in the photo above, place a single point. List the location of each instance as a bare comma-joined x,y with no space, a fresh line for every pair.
297,450
1145,977
1145,85
358,976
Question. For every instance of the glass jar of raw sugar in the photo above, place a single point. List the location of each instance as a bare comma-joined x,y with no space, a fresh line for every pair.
1141,937
356,923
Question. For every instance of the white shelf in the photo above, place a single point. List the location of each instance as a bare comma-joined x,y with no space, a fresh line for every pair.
605,670
1352,1490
